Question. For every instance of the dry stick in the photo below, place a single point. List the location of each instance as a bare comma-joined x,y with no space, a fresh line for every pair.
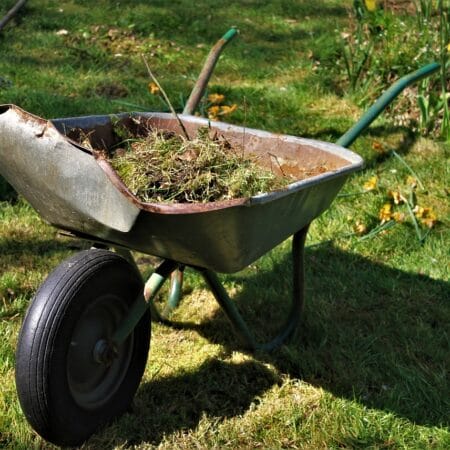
11,13
166,98
278,162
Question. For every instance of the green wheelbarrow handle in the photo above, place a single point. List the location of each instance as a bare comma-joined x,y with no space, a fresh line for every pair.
206,72
386,98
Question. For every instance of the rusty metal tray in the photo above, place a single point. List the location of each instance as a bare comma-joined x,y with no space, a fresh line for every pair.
74,191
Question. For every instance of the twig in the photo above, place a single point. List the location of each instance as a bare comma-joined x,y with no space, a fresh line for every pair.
278,162
352,194
166,98
11,13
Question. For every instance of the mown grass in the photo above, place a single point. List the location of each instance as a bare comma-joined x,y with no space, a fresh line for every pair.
369,366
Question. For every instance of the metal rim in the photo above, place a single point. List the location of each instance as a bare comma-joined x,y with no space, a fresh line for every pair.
96,369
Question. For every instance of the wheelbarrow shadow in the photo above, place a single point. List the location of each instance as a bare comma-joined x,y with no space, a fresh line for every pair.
370,333
216,390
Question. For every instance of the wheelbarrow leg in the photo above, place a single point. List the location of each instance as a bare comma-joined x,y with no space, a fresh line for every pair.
173,300
144,301
176,284
298,295
175,293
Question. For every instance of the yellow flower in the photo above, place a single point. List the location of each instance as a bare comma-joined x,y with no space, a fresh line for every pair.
359,228
213,111
385,213
216,98
370,184
378,147
448,47
429,222
153,88
419,211
426,215
398,217
397,197
227,109
371,5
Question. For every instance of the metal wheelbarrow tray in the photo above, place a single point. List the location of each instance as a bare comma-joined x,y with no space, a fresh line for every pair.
74,191
84,341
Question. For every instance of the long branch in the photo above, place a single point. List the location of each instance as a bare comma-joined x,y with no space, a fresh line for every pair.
167,100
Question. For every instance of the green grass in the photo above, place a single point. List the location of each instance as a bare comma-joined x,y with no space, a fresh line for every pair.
369,366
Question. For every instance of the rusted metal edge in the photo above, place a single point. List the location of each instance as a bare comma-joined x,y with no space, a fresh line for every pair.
354,162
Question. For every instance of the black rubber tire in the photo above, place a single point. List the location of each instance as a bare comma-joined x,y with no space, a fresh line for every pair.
55,402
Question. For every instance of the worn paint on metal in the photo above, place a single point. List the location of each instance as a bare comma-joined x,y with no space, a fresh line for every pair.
76,192
206,72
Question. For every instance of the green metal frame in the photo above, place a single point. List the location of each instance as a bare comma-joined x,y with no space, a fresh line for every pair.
171,268
176,270
294,315
386,98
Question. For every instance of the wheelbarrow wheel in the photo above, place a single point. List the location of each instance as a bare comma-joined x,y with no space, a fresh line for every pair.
70,379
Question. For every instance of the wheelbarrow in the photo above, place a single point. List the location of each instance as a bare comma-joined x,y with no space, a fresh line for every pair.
85,338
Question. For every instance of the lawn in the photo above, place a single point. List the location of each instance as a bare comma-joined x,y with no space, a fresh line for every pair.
369,366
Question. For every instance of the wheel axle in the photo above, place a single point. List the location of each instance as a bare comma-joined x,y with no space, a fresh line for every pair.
105,352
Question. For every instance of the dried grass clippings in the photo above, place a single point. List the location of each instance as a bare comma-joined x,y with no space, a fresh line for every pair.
165,167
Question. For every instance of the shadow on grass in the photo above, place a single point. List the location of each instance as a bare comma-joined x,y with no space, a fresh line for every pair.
216,389
7,192
370,334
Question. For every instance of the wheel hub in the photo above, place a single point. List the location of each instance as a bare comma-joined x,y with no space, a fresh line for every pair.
105,352
96,366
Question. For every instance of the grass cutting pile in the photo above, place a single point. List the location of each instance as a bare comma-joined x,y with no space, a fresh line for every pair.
165,167
368,368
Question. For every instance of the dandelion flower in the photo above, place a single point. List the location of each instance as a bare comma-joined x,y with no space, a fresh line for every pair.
426,216
399,217
153,88
397,197
378,147
216,98
371,183
213,112
228,109
371,5
359,228
429,221
385,213
419,211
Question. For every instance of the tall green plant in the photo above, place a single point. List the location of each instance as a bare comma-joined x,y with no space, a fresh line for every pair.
444,44
382,45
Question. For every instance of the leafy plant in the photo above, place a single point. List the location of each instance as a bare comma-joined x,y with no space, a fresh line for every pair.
381,45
